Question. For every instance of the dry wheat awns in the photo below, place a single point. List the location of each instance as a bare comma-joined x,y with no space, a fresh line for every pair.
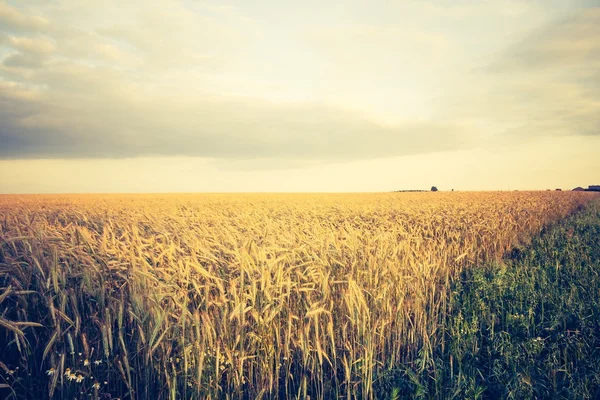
204,296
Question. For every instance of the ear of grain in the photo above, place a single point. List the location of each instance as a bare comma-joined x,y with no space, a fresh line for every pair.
262,295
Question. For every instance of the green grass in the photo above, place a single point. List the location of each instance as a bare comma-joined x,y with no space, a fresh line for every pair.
527,328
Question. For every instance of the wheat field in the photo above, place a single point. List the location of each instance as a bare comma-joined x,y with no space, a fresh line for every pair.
240,296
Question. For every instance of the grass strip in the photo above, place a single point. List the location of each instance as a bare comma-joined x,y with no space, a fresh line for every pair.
525,328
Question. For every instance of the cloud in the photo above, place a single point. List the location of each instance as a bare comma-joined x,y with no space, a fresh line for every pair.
23,60
361,43
468,9
112,86
79,80
530,166
569,42
27,52
111,122
559,74
546,84
14,20
32,45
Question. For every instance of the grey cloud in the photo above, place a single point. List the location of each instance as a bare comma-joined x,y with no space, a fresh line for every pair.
109,125
14,20
571,42
546,84
23,60
567,54
37,46
128,89
28,52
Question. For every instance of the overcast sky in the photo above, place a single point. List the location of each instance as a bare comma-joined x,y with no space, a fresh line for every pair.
276,95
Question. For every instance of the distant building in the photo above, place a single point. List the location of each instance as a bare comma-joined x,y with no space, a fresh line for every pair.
591,188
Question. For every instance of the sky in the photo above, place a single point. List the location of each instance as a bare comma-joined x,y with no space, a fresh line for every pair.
294,96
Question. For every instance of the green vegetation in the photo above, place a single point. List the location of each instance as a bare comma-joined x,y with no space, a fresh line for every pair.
527,328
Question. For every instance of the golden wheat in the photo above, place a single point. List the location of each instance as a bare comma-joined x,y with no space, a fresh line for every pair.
231,296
